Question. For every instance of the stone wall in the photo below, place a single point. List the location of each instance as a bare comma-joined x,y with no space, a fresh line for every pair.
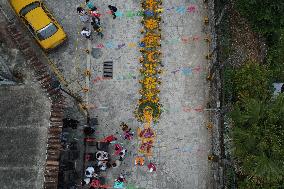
214,105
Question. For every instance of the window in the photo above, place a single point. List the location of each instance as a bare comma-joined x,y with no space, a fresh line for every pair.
29,7
31,29
47,31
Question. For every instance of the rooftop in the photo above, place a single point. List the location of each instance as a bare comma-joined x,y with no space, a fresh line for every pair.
24,117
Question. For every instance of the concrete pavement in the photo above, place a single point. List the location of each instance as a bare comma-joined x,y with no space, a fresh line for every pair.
182,143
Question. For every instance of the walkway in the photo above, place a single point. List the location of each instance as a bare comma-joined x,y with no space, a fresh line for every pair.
181,149
182,146
182,143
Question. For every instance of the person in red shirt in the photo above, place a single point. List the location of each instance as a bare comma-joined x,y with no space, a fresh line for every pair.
118,148
151,167
109,139
96,183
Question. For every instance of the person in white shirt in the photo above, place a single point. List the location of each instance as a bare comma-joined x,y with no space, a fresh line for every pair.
116,164
102,165
86,181
122,154
102,155
86,33
89,172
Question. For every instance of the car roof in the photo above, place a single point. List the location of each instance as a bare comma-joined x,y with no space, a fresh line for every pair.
38,18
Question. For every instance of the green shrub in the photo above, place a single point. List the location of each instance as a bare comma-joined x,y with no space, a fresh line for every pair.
251,80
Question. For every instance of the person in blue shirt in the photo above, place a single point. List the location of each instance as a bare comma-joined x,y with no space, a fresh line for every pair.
118,185
90,5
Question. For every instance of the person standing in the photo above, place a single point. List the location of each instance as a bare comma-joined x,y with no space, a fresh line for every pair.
128,135
74,123
116,164
90,5
79,9
88,131
151,166
113,9
67,122
98,29
89,172
109,139
119,182
84,17
86,33
118,148
95,17
122,154
86,181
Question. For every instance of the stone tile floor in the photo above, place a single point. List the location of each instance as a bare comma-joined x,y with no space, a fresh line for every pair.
182,145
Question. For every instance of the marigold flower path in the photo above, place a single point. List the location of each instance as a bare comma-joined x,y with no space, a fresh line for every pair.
149,108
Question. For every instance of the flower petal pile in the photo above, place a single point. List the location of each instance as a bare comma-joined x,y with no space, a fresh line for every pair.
150,60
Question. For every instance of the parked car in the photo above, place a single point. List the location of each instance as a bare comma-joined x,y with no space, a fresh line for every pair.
43,26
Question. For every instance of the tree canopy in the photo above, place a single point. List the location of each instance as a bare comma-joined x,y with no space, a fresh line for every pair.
258,140
266,15
276,58
249,81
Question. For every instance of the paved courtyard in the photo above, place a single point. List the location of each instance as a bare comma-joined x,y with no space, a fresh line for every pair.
182,142
182,145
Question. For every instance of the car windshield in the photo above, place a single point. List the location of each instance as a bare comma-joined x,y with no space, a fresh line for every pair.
29,7
47,31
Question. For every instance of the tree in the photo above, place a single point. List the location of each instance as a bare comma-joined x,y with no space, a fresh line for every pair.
275,58
258,140
265,15
251,80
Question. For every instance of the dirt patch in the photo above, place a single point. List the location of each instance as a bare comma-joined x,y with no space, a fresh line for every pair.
245,43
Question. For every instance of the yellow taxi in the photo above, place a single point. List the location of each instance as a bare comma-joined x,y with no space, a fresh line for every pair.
45,29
